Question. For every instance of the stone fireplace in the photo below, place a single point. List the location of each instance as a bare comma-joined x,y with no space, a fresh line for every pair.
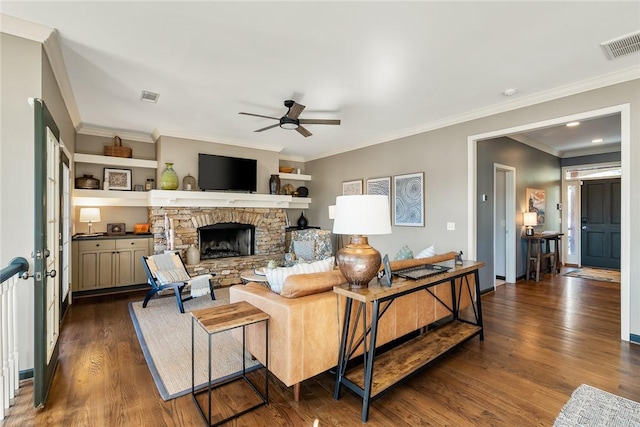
227,239
257,234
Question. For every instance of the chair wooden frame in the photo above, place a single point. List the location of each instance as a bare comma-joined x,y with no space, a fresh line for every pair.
177,287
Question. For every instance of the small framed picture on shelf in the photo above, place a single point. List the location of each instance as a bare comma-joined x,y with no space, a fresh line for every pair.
118,179
115,229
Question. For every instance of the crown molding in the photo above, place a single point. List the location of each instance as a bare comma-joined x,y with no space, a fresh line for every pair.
50,41
25,29
54,53
111,133
621,76
535,144
157,133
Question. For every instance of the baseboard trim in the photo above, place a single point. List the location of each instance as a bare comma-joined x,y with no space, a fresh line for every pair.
26,374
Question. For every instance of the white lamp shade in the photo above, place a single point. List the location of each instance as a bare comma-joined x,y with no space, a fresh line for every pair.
332,212
530,219
89,215
365,214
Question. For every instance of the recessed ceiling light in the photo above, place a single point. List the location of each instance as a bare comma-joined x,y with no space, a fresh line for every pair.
149,96
510,92
595,141
572,124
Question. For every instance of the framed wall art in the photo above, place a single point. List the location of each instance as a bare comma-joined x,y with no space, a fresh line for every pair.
350,188
380,186
118,179
408,193
536,202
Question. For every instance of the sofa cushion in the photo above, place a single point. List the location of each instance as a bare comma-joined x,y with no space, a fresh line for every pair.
300,285
277,276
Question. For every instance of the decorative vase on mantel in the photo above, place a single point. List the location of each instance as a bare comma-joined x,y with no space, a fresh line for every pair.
274,184
169,178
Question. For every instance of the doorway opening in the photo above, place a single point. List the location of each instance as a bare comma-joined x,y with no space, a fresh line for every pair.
625,212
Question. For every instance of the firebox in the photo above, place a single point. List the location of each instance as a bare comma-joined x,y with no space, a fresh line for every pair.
229,239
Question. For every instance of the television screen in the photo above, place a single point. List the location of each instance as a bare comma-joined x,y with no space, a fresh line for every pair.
221,173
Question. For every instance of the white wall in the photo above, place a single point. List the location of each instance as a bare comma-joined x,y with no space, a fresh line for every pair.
21,79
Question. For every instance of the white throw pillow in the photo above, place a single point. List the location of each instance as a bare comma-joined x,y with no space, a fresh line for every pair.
427,252
277,276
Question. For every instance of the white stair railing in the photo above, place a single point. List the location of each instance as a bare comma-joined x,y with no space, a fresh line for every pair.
9,369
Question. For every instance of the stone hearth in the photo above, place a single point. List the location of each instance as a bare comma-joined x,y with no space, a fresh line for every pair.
269,242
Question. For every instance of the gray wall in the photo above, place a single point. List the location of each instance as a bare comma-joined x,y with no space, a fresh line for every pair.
534,169
26,73
442,154
592,159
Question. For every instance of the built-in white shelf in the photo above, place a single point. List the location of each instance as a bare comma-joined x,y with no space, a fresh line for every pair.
224,199
114,161
187,199
295,176
110,198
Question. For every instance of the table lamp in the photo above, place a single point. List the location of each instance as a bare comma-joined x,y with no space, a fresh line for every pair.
530,220
358,216
90,215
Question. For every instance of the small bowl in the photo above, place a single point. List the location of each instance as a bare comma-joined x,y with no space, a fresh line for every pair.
284,169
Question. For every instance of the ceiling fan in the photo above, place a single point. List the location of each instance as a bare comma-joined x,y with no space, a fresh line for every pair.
291,121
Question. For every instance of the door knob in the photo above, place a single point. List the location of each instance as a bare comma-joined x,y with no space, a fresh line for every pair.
584,227
51,273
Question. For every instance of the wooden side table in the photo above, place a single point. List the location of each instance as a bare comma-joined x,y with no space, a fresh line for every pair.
223,318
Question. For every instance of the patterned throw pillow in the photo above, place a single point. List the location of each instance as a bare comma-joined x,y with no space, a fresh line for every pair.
404,253
277,276
175,275
305,249
427,252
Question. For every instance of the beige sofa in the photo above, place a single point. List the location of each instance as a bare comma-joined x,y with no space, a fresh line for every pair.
306,320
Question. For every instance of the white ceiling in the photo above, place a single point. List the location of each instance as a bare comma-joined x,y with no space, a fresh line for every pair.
386,69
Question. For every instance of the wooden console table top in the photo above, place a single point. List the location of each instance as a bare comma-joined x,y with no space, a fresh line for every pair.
376,291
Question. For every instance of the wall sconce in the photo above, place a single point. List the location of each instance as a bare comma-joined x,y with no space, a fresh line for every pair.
530,220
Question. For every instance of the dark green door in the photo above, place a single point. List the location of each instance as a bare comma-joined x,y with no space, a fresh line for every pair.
46,249
600,223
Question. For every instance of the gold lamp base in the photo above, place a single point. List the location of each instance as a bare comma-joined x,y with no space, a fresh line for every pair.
358,262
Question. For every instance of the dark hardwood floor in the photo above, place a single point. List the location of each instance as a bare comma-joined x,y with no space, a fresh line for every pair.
542,340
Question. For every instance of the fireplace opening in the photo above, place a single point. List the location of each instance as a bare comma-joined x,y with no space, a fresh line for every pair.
229,239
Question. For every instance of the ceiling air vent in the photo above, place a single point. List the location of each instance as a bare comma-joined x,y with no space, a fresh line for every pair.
149,96
622,45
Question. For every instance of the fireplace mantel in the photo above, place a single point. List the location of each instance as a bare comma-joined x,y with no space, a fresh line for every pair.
188,199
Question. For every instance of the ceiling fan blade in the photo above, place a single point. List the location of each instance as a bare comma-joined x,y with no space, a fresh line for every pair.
319,122
258,115
295,110
304,132
268,127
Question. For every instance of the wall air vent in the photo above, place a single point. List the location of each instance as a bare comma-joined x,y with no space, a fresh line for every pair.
622,45
149,96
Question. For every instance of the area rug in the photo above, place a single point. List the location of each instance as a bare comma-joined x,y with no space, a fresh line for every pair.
601,274
590,406
165,337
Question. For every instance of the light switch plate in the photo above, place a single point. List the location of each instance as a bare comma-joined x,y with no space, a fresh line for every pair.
451,226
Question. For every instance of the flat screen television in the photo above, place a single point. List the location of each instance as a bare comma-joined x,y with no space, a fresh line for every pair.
221,173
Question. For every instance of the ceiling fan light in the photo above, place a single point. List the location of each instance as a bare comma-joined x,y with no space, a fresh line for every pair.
291,126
